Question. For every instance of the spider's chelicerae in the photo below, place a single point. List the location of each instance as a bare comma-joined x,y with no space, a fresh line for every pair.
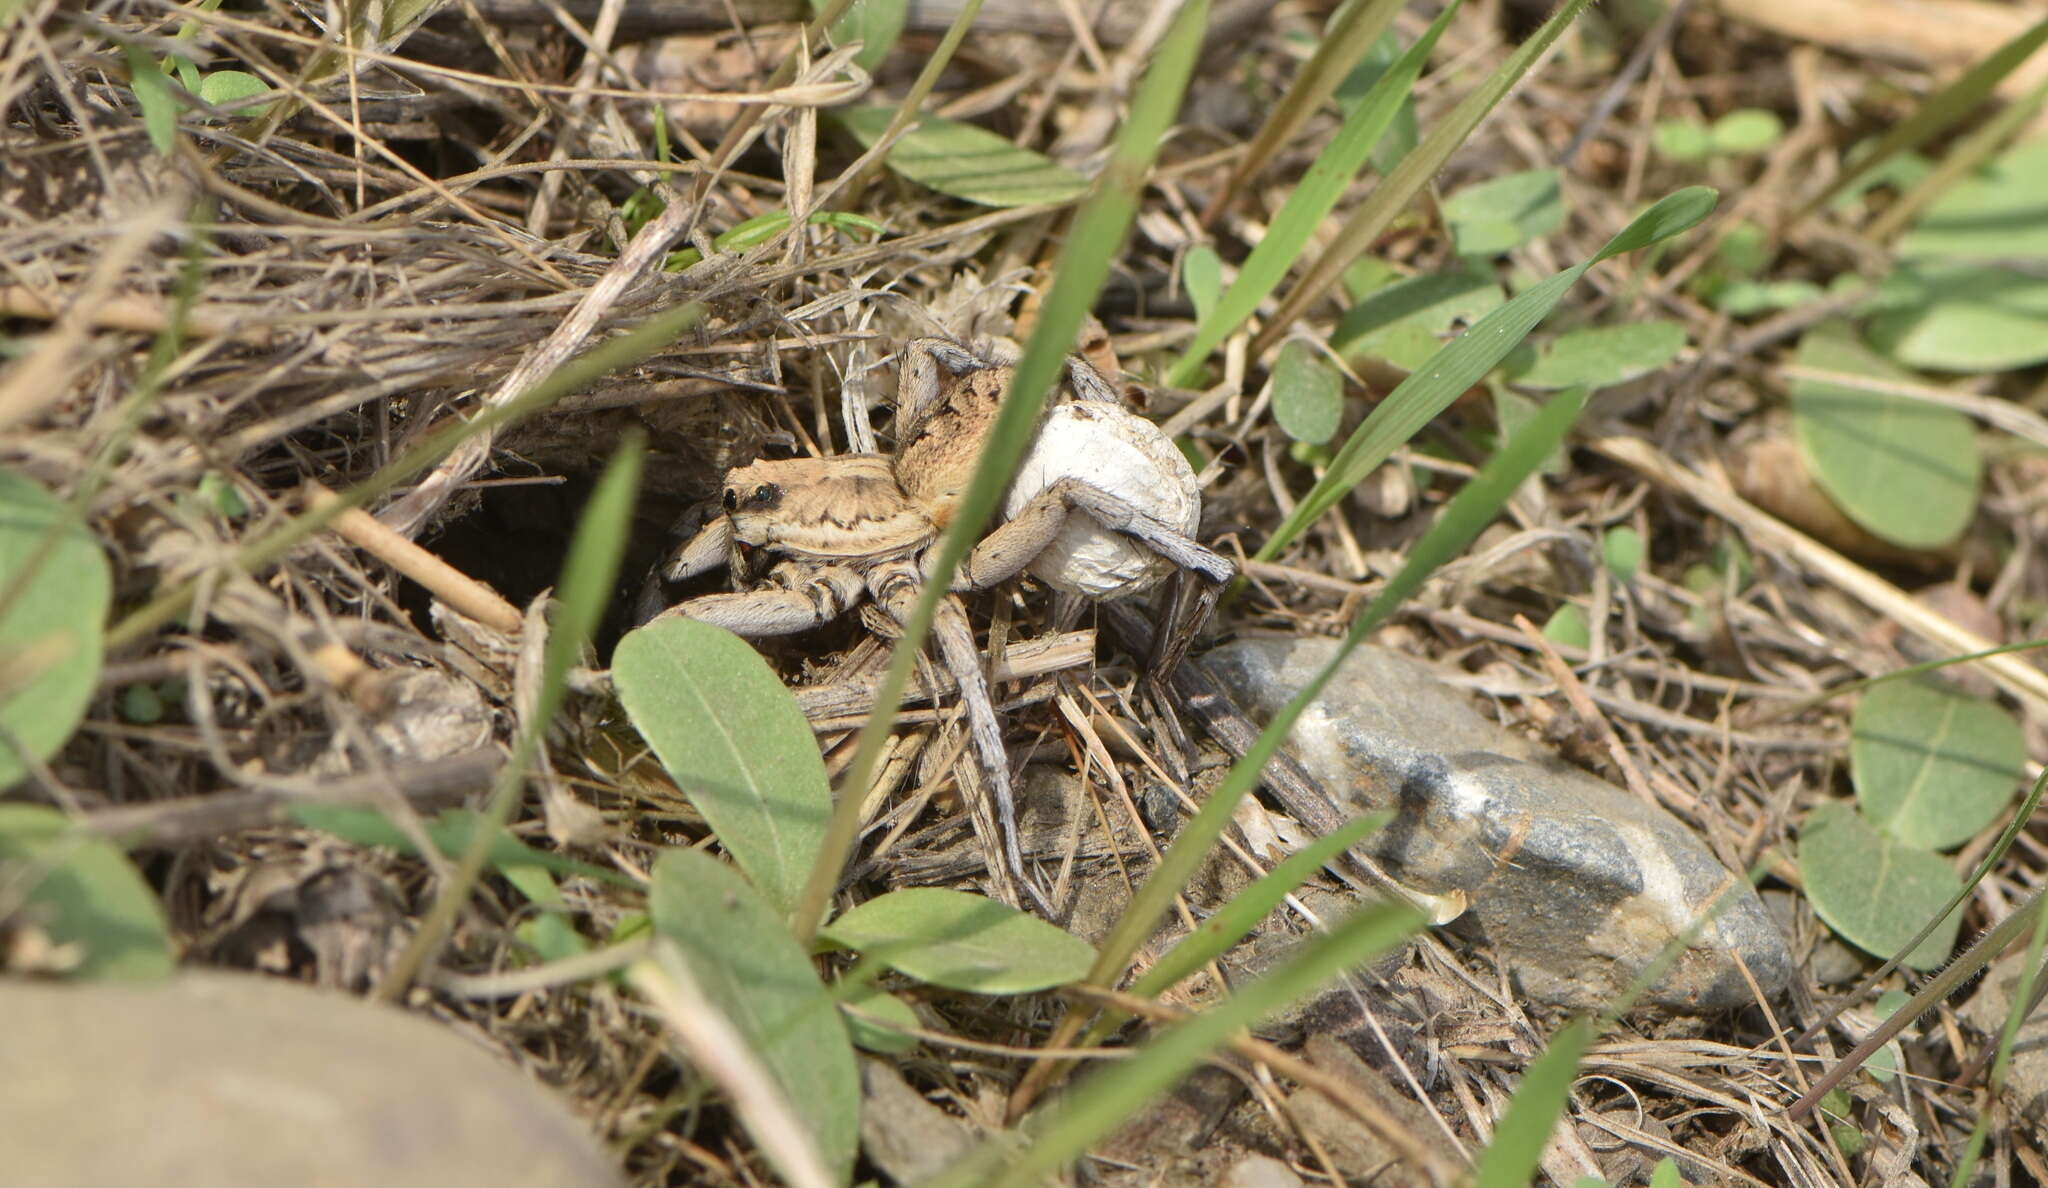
1102,507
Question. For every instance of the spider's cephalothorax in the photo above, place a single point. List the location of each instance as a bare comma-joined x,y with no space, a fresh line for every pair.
838,529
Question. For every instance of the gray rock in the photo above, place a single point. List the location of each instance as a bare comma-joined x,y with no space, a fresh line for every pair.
1576,884
909,1138
247,1082
1260,1171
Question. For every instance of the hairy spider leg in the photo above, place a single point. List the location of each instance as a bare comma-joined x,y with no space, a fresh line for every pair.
895,586
800,597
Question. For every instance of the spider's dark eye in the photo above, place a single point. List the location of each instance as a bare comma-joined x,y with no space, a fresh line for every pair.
732,499
766,495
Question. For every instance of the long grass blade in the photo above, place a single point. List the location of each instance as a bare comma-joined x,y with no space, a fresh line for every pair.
1393,195
1096,1108
1350,34
1941,111
585,589
1463,362
1510,1159
1311,201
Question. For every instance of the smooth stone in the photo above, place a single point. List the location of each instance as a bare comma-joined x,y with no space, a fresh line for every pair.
237,1081
1260,1171
909,1138
1576,884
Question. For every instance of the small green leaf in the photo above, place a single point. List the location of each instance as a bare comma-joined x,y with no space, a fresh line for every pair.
1998,213
1972,318
142,704
1665,1174
223,87
734,741
1904,469
1567,625
752,969
965,161
1747,130
80,890
1201,274
1501,214
54,590
876,24
961,942
1933,765
877,1019
1682,140
1308,394
1623,549
1873,891
1602,356
153,96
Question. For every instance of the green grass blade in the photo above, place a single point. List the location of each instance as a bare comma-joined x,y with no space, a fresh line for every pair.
585,589
1235,920
1518,1142
1470,510
1351,33
1083,266
2022,998
1942,110
1313,199
1100,1104
1400,187
1463,362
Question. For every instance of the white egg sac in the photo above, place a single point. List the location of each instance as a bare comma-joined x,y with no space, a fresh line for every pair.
1126,455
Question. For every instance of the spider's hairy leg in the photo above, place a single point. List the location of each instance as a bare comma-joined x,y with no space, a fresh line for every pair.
1004,553
706,551
895,589
802,598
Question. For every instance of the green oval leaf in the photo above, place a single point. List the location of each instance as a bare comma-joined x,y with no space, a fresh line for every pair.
1999,213
1903,469
1933,765
876,1019
54,591
1873,891
749,965
1682,140
1308,394
966,161
222,87
1503,213
962,942
735,742
1602,356
1970,318
876,24
1623,550
1568,625
81,890
1399,322
1747,130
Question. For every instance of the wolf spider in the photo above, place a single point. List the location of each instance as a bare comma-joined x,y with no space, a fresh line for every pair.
856,525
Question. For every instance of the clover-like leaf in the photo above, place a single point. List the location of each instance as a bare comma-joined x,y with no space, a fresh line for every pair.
1904,469
1932,764
1874,891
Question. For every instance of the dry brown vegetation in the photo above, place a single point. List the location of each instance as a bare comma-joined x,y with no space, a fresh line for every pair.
425,234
